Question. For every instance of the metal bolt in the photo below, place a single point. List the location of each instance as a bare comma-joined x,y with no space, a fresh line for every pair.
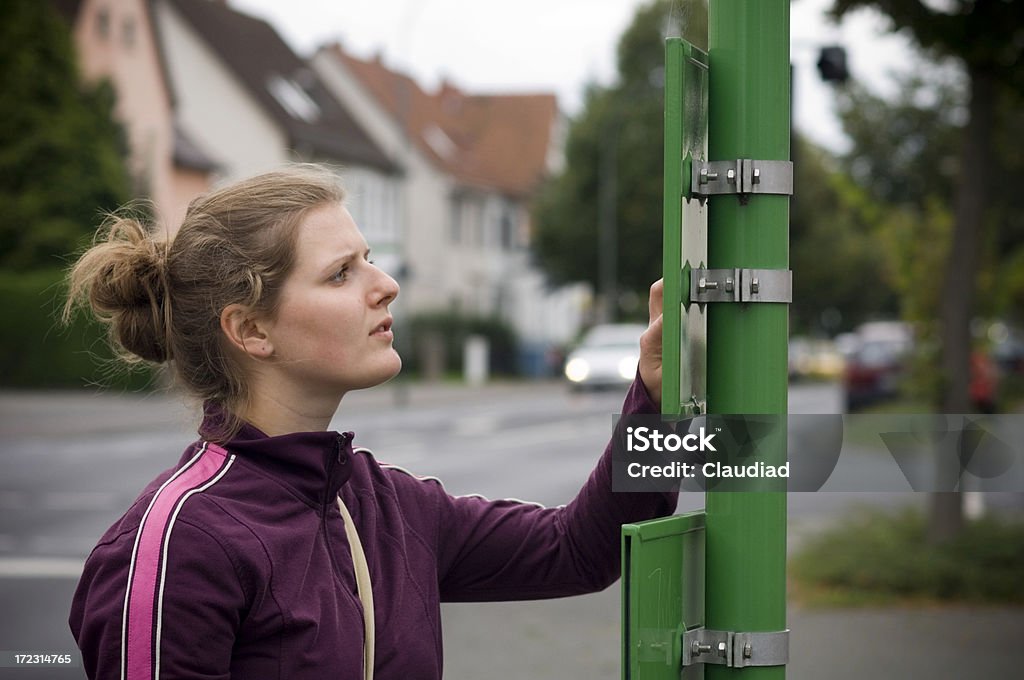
757,175
730,176
706,176
748,651
722,649
703,284
728,284
755,285
696,648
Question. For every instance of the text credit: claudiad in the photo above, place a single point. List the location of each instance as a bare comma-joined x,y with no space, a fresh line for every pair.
651,440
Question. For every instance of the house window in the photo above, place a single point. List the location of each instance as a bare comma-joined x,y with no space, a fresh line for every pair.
293,99
456,221
103,22
128,32
506,230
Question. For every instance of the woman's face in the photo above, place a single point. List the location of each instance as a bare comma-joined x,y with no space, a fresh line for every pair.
332,331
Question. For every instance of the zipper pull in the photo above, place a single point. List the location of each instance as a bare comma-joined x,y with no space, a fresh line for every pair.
340,446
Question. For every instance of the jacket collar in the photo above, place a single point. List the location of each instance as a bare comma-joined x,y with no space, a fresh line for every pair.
313,465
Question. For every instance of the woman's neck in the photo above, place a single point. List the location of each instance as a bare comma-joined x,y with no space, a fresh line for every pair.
278,411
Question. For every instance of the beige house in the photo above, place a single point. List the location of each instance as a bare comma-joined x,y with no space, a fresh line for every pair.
117,40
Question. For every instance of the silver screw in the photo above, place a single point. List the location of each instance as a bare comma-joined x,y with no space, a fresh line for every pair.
730,176
755,285
757,175
696,648
706,176
721,649
728,284
748,651
703,284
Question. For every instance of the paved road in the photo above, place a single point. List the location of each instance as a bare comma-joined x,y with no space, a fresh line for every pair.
70,464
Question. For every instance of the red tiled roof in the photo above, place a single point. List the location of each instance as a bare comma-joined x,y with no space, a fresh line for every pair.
491,141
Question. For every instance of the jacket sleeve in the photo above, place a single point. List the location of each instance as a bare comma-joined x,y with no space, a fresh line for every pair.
508,550
179,619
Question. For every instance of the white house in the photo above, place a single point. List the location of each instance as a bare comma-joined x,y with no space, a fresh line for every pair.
250,101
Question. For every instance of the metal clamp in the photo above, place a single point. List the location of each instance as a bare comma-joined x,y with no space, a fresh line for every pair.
742,176
735,650
741,285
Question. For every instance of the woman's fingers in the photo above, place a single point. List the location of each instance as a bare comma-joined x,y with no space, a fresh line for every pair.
655,302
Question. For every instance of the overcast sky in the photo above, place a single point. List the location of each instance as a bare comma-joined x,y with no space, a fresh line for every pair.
558,45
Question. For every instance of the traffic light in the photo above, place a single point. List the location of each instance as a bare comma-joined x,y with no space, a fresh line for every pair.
832,64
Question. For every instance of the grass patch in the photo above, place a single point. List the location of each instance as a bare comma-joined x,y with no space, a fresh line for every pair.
875,558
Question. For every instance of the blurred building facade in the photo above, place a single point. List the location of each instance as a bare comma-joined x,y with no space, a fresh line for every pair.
255,104
473,163
440,182
118,40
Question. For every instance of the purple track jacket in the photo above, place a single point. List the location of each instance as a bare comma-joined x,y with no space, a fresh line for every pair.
235,563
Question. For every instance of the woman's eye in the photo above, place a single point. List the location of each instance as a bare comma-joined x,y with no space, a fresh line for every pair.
340,275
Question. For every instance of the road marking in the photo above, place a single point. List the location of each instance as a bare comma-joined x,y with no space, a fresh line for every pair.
41,567
79,500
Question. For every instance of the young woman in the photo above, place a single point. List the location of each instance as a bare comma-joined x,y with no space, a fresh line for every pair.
275,548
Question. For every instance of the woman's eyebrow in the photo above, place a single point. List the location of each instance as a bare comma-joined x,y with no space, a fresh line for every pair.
342,259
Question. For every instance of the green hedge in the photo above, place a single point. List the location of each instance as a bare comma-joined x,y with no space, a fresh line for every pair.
37,351
873,556
452,329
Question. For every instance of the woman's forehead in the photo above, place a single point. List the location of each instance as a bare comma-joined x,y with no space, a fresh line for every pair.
327,233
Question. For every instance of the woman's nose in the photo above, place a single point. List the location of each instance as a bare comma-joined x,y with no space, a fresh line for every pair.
387,289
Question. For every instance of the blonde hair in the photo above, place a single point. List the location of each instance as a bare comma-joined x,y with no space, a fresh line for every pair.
162,300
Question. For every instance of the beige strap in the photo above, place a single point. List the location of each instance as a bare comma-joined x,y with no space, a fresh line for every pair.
364,587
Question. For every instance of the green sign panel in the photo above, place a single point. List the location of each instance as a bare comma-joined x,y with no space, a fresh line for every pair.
662,595
684,387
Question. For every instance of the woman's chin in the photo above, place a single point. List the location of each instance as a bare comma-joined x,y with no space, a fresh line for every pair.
387,372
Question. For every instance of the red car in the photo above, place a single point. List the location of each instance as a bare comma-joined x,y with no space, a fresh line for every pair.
877,364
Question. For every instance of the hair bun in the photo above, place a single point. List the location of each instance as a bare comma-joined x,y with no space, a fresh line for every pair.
124,280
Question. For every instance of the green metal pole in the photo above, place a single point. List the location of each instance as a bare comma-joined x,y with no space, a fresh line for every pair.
747,343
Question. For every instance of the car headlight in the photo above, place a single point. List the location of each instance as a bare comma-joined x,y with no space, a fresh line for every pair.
627,367
577,369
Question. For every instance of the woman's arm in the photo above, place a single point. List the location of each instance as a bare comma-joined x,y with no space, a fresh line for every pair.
495,550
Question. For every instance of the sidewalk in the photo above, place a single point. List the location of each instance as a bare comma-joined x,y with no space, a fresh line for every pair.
578,638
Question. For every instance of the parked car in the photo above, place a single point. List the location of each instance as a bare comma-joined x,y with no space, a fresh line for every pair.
814,359
876,364
607,356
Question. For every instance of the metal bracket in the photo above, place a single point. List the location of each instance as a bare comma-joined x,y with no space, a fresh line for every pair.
735,650
741,285
742,176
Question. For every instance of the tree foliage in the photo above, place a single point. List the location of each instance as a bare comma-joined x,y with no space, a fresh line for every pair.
621,124
840,275
61,152
986,37
904,151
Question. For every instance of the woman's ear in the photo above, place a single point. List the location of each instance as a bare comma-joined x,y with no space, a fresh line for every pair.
245,333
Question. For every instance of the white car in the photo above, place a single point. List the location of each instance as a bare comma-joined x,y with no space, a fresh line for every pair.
607,357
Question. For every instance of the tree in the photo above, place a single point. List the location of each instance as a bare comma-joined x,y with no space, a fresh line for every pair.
620,128
903,159
987,38
61,152
839,279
